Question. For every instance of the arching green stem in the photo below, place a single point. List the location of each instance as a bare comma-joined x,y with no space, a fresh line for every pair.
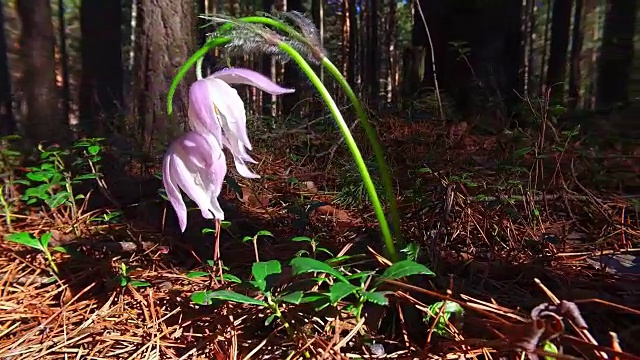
385,174
351,144
188,64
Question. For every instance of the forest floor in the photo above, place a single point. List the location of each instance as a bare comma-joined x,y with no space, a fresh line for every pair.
506,222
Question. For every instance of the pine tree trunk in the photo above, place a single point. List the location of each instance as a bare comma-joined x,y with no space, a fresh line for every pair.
101,82
167,37
7,121
42,99
556,69
577,37
373,51
614,67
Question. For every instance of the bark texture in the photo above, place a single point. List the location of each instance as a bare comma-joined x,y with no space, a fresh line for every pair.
167,37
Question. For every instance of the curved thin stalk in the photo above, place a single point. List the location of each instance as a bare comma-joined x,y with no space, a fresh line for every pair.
385,174
188,64
351,144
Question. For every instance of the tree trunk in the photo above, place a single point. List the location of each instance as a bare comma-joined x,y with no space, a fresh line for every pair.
7,121
64,61
37,40
167,37
291,71
374,52
101,82
353,40
616,56
556,69
577,37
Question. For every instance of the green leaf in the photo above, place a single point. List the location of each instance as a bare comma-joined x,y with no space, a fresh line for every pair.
123,280
247,239
303,265
137,283
58,199
340,290
230,278
86,177
261,270
225,224
269,319
26,239
205,297
60,249
377,297
301,238
197,274
44,240
320,249
404,268
93,149
549,347
450,309
264,233
293,298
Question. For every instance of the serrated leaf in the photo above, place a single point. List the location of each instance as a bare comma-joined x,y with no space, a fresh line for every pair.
304,265
205,297
292,298
261,270
138,283
197,274
340,290
377,297
404,268
24,238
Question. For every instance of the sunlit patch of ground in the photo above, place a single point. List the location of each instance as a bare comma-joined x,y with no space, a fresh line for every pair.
507,222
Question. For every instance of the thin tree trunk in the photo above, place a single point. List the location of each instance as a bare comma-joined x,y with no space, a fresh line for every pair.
391,48
614,66
374,51
42,121
166,40
353,41
64,61
560,28
101,82
576,50
7,121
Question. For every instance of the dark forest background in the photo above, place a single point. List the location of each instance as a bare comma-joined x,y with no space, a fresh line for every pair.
103,67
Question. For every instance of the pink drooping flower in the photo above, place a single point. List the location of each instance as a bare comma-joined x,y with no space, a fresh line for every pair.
215,108
196,165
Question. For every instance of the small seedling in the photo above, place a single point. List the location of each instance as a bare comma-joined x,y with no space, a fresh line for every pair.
125,279
314,247
41,244
254,240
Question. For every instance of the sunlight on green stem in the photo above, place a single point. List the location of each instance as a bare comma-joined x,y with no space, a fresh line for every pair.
351,144
188,64
385,174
